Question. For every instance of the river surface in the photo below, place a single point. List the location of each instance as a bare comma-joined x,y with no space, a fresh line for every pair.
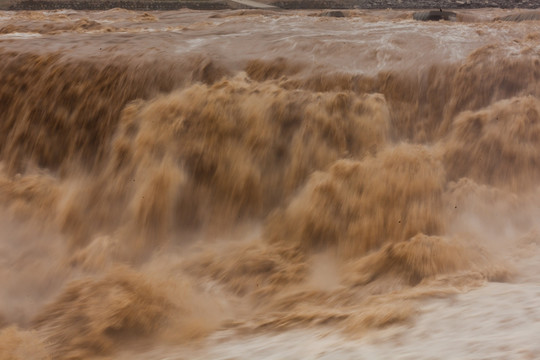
264,184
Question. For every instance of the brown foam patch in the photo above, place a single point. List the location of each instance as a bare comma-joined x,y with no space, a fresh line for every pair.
358,206
16,344
412,260
91,315
497,145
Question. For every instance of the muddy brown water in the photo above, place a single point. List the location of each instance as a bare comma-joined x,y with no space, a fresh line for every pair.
200,184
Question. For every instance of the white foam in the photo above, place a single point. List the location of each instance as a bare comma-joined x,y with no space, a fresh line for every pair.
17,35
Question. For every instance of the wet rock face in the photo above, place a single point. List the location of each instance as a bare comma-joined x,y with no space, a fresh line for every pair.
333,13
434,15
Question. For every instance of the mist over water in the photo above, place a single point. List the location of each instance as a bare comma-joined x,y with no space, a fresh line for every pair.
176,183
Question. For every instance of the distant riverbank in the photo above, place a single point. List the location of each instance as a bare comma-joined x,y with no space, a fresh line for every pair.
281,4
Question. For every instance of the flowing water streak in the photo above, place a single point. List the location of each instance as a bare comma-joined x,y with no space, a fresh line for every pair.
169,176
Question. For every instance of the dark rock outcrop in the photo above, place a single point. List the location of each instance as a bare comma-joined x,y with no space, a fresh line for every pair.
434,15
333,13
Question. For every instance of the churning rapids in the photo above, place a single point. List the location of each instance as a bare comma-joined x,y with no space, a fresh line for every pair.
258,184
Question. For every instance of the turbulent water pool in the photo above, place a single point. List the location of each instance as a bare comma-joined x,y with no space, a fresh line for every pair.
269,185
